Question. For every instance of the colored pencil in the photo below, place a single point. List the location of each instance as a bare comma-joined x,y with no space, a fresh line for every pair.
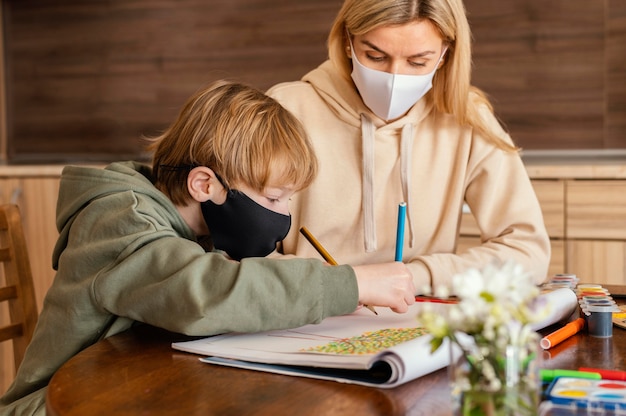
318,246
432,299
325,254
400,230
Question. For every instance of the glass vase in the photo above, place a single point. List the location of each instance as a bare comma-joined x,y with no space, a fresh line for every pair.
488,380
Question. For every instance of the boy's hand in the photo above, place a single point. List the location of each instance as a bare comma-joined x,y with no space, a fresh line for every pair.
385,284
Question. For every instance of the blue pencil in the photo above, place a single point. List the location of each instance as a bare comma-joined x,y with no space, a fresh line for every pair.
400,232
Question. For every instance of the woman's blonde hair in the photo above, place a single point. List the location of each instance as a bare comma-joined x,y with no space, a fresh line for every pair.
243,135
452,92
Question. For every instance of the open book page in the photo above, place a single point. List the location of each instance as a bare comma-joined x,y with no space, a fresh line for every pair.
396,366
363,348
391,345
312,344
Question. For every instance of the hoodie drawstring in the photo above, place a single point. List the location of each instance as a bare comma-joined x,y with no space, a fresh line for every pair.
369,222
406,144
406,148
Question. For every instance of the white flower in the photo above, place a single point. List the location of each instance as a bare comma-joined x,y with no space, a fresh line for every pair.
495,310
496,305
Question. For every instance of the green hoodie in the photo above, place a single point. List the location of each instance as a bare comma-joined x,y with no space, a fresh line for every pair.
125,255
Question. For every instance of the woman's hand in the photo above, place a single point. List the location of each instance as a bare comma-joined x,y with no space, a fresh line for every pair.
385,284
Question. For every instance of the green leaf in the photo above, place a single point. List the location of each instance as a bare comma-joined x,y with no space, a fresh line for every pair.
435,343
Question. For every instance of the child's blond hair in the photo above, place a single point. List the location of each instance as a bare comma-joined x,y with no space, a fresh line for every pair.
243,135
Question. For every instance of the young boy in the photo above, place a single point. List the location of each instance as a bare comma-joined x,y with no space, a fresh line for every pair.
181,246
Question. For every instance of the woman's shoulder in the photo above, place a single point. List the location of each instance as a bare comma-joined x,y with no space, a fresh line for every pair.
289,89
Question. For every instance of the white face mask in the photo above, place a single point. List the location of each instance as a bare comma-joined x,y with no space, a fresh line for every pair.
390,95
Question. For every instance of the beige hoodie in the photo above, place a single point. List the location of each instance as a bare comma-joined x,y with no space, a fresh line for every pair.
367,167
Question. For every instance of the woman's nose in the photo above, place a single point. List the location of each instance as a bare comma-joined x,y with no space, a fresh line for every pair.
393,67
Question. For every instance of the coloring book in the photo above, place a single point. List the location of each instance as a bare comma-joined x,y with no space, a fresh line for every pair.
383,350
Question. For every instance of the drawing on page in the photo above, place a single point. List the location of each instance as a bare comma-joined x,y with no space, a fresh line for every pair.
371,342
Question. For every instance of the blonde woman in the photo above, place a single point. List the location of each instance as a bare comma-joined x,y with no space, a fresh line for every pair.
393,117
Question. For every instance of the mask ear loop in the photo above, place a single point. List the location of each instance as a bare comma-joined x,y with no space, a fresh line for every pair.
349,46
443,53
229,191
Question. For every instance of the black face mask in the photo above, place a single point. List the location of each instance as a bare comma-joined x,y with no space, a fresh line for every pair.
243,228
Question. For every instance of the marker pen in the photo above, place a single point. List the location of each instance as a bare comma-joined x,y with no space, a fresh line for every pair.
606,374
549,375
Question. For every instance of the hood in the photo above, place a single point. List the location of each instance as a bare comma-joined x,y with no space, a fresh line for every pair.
81,185
341,95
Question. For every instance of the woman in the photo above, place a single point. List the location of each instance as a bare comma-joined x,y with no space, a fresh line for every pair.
383,135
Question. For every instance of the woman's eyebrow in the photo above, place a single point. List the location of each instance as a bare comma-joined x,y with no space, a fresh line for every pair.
417,55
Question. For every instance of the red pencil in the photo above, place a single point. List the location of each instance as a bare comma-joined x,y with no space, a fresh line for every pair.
432,299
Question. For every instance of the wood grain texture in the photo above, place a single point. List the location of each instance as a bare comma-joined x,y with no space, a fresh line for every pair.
36,197
86,80
551,196
558,263
3,118
616,73
543,63
597,261
596,210
144,375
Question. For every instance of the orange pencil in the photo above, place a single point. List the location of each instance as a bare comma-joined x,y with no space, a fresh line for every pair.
562,334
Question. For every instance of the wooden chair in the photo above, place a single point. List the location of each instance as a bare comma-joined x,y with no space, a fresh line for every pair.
18,289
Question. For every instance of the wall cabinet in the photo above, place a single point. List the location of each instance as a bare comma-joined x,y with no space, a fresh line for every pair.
596,215
35,192
596,209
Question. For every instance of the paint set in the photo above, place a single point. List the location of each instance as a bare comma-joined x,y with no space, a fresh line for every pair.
559,281
573,396
597,306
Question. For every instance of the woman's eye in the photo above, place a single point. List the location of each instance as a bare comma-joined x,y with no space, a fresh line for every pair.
417,64
375,58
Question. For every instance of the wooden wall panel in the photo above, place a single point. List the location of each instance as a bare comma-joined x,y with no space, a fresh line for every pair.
87,79
543,64
3,142
616,73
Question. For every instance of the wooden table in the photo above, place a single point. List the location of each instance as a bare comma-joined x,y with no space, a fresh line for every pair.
138,373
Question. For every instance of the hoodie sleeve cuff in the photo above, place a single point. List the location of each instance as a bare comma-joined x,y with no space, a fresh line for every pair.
341,292
422,278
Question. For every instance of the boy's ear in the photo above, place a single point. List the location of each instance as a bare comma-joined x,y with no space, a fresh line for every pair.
203,185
